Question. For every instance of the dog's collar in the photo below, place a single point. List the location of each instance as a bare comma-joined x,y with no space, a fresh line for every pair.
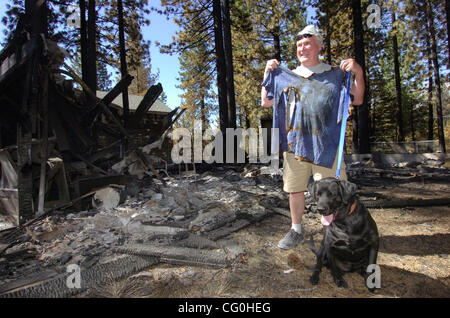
352,208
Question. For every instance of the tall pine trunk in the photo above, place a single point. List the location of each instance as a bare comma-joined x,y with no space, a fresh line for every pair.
398,87
363,110
229,64
123,62
203,113
83,41
91,49
221,67
411,122
437,80
328,31
447,11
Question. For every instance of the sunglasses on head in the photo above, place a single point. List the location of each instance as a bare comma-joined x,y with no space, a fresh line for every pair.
304,36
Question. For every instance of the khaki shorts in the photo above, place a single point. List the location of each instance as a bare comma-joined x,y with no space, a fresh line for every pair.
296,173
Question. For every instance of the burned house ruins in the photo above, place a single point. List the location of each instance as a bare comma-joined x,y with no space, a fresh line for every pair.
51,137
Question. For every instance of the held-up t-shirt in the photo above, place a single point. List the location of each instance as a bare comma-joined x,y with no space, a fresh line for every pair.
312,131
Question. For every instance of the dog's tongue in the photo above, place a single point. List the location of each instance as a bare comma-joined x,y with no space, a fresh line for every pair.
327,219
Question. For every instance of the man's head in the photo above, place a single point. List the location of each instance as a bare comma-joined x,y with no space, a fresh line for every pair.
309,44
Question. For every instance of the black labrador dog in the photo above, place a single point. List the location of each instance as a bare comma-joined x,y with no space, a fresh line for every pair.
350,241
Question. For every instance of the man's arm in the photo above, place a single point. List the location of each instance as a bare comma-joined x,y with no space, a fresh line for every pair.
264,101
270,66
358,87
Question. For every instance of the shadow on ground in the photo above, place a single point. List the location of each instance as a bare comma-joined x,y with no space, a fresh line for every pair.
418,245
396,282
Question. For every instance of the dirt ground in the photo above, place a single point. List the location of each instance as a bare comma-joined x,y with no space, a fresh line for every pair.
413,259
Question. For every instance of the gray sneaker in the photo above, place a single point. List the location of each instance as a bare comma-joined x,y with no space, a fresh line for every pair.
291,240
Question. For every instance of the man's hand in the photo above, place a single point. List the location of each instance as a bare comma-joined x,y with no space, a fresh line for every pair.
357,89
350,65
270,66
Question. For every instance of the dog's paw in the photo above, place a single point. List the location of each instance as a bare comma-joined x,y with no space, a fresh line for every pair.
314,279
340,282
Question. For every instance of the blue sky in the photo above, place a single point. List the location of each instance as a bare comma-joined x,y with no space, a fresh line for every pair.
162,30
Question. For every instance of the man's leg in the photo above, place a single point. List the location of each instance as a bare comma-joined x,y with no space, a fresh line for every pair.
297,206
295,180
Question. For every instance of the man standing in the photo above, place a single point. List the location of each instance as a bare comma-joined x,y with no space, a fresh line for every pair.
297,170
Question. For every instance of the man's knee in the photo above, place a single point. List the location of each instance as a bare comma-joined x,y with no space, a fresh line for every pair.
297,194
297,197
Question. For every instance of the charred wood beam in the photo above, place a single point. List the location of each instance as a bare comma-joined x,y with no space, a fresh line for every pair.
108,98
25,178
167,119
150,97
109,130
56,287
44,142
177,116
105,152
24,135
89,163
120,86
104,108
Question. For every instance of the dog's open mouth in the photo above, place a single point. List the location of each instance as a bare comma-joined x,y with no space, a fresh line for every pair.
328,219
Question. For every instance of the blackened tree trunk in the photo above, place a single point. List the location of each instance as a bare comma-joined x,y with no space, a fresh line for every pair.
123,62
363,110
411,122
398,87
229,64
277,43
83,41
38,12
221,67
437,80
203,113
447,10
92,48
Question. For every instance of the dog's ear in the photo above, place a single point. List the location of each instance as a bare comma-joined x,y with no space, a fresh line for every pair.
312,190
348,190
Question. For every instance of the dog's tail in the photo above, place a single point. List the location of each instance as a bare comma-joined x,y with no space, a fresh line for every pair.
311,245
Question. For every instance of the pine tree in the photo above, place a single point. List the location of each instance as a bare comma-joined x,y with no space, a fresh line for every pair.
398,88
197,77
359,47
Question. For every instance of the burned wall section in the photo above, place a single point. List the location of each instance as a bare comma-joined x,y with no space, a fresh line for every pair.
52,138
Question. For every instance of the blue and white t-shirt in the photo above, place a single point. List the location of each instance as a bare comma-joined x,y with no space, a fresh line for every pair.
311,130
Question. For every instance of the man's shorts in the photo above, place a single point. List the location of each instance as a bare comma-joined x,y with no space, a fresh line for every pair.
296,173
